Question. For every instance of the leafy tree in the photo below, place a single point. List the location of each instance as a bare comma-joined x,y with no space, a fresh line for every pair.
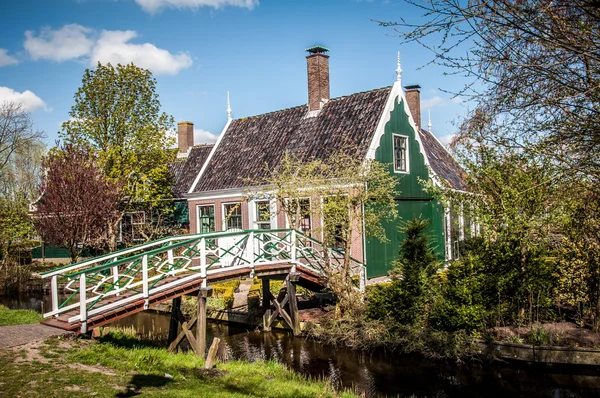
78,202
356,195
117,113
15,225
531,143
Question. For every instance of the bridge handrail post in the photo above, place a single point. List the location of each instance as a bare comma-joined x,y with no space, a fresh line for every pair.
250,256
363,278
145,278
293,247
170,260
54,292
202,245
83,303
115,275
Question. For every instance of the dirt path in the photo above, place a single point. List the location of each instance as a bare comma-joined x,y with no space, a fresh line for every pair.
15,335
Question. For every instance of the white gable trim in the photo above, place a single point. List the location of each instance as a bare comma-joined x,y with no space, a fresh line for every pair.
397,92
210,155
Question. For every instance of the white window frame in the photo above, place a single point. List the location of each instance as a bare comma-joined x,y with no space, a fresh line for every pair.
224,215
287,221
407,171
198,215
253,214
323,216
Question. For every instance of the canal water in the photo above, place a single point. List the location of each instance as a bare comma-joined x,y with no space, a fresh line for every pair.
372,374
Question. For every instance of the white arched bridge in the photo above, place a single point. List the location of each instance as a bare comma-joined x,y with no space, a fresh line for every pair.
115,285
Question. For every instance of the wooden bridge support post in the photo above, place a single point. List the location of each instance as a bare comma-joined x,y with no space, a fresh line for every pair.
203,294
174,324
293,302
266,304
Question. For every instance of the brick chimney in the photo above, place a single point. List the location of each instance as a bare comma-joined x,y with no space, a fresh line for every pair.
185,136
413,98
317,64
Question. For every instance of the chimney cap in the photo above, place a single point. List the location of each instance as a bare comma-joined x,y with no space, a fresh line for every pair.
317,50
412,87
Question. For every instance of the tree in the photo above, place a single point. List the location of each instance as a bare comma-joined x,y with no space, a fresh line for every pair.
413,272
16,134
21,150
15,225
533,73
78,203
357,196
533,69
117,113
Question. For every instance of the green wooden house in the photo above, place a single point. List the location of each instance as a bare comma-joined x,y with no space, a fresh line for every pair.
383,123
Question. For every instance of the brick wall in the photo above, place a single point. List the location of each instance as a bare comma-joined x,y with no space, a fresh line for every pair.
318,80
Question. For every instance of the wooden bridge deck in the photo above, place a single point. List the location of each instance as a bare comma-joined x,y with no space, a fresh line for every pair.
308,278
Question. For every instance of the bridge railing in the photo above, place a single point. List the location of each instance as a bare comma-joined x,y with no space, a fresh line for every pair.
135,273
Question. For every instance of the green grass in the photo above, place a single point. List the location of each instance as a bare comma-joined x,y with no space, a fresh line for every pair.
18,317
119,365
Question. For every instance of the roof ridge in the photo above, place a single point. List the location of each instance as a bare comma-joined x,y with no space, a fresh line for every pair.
306,105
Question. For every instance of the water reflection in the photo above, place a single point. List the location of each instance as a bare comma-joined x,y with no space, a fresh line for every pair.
376,373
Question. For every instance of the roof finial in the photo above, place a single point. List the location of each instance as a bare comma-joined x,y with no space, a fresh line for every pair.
398,69
429,123
228,107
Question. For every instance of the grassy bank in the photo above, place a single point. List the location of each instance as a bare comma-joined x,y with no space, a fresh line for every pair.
18,317
364,334
119,365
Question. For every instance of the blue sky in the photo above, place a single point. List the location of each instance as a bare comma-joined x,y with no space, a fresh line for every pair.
200,49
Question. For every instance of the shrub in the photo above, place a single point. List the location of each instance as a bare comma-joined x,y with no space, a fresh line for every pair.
460,305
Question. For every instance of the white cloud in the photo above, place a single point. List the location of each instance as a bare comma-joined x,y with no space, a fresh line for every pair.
6,59
432,102
204,137
113,47
152,6
447,139
27,98
437,101
76,41
69,42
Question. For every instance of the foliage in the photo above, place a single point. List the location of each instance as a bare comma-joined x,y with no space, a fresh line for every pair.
117,113
461,303
15,225
356,196
78,202
530,144
21,149
18,317
367,334
412,274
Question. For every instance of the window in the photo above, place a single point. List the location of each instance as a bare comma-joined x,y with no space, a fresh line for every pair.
301,208
263,214
133,225
206,219
336,218
233,215
400,153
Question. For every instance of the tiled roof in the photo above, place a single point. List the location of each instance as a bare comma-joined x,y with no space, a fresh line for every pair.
186,169
442,163
251,143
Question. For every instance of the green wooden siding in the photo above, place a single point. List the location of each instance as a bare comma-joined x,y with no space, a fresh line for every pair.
411,200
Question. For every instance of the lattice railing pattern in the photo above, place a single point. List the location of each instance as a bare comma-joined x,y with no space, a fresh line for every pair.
138,272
